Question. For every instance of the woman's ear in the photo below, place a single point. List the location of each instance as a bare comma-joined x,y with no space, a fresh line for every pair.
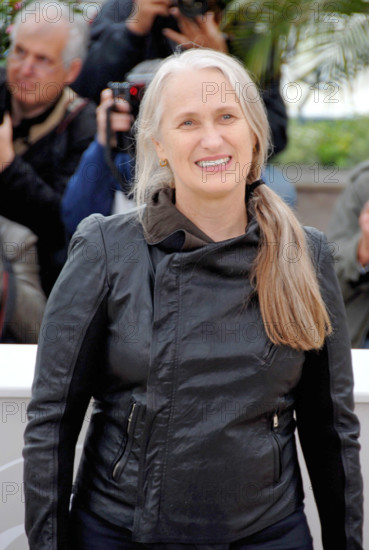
254,143
159,149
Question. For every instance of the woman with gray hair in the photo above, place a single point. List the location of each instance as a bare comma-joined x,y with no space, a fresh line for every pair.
206,326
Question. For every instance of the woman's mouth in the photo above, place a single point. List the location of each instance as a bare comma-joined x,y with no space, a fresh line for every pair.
215,165
213,162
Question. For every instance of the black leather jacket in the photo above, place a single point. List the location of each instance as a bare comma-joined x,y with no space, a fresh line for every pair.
191,439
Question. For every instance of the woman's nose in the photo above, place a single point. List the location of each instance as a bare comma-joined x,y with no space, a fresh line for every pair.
211,138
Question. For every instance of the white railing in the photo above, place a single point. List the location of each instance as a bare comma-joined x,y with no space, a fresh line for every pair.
16,374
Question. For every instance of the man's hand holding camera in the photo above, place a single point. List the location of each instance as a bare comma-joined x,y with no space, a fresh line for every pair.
144,12
6,142
202,30
120,118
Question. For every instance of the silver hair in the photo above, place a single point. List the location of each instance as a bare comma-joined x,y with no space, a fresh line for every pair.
149,175
78,28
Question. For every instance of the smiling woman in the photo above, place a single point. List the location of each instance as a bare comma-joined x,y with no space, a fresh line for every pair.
223,110
203,335
208,145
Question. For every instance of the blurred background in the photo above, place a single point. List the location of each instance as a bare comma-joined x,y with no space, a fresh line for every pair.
321,51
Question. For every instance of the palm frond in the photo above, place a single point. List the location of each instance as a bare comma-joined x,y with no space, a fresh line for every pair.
338,54
320,37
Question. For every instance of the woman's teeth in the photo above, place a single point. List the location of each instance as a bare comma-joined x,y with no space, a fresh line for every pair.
207,163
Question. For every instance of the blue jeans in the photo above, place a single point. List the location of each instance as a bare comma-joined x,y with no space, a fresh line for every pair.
92,533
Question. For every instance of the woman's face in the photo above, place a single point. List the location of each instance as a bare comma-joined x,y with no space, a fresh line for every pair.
204,136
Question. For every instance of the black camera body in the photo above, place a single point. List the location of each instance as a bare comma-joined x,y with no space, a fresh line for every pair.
193,8
135,83
130,92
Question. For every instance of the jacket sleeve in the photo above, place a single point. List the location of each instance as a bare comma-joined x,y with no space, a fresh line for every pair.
328,428
32,199
69,354
90,190
344,234
19,245
113,51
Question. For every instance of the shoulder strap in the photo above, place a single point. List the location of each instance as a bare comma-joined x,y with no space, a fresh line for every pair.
74,108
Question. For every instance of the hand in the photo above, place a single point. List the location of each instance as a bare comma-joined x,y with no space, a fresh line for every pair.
141,19
202,31
120,119
6,142
363,247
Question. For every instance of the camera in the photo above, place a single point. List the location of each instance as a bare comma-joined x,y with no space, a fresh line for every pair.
136,81
133,94
132,90
193,8
129,92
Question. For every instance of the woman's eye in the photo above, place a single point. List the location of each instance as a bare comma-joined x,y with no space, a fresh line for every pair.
227,116
187,123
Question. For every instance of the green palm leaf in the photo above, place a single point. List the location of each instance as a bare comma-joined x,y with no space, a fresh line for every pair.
328,39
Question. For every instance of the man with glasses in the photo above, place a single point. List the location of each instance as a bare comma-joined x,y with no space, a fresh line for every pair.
45,127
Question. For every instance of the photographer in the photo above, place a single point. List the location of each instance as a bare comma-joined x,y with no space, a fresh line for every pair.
125,33
349,230
94,185
45,127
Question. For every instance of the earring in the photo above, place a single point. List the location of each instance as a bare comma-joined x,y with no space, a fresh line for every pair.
163,163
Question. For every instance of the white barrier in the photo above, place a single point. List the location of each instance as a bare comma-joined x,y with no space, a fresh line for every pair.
16,374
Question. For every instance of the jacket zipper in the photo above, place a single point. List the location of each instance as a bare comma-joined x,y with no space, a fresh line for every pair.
276,448
275,421
129,421
120,463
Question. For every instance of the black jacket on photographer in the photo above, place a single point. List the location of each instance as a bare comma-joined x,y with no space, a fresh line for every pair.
115,50
48,149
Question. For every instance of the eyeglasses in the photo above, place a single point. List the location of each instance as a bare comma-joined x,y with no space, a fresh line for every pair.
40,65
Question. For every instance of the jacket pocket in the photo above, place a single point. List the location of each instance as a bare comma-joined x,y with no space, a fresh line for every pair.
123,454
277,451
